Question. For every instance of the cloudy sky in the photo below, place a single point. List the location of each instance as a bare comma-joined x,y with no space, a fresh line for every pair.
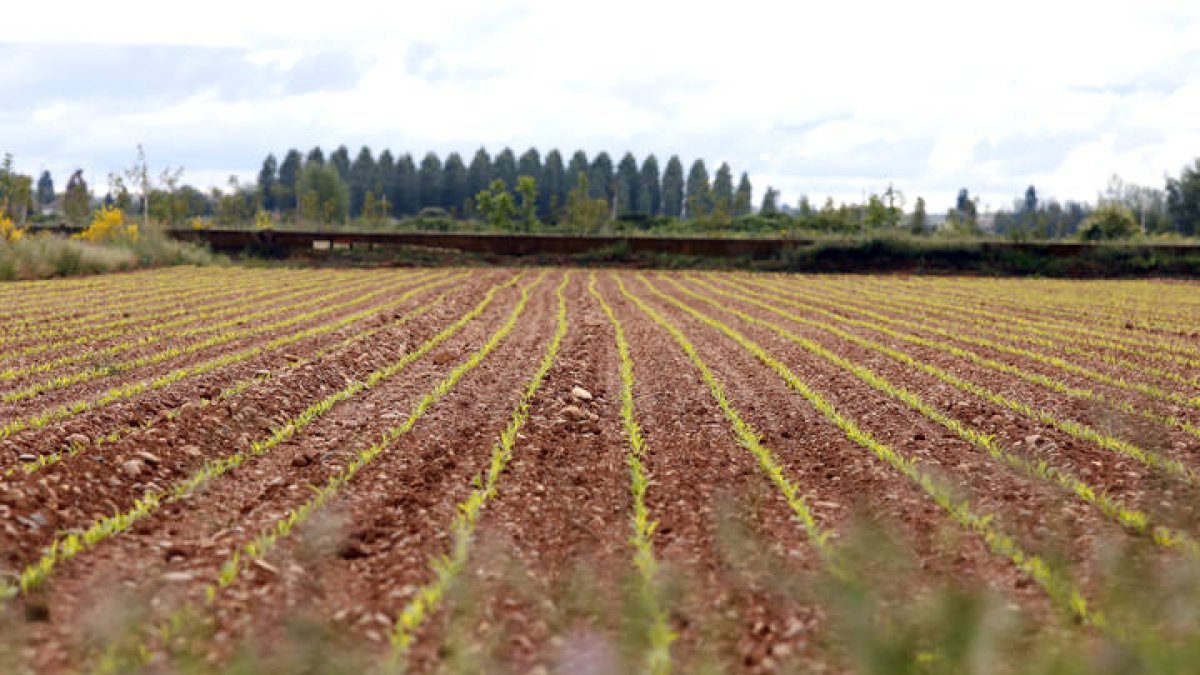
833,98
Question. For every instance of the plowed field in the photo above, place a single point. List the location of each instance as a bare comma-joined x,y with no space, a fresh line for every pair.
481,470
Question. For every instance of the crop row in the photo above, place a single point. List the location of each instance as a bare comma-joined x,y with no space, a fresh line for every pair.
881,323
658,656
1154,307
73,314
1057,585
269,537
204,319
1053,338
448,568
1114,509
128,391
1062,331
327,303
242,386
1073,428
104,528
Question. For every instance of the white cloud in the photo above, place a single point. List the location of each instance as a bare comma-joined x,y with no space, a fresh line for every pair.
828,98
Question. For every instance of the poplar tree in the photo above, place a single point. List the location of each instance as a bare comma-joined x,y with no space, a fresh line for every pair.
650,195
743,199
699,195
628,186
672,188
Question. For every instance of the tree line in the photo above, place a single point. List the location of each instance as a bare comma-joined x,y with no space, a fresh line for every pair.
337,187
530,191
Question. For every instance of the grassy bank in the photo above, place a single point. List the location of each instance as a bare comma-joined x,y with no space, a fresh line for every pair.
45,256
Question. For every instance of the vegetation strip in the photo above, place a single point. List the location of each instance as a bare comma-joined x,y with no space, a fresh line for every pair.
125,392
658,656
242,386
147,294
1057,586
1078,430
187,317
1132,519
266,540
751,440
72,544
1115,317
991,364
447,568
1059,334
1057,341
54,327
169,353
201,315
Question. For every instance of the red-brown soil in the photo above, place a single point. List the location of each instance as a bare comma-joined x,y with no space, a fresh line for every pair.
549,583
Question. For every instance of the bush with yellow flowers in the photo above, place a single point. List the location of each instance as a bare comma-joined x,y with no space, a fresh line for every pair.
110,225
8,230
263,221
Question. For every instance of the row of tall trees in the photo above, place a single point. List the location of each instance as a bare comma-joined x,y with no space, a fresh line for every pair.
405,187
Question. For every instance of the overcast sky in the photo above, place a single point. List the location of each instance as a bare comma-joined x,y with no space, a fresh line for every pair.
831,98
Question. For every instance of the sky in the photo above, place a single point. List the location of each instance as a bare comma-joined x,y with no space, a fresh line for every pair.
833,99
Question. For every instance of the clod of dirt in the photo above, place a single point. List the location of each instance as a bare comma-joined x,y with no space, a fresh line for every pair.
581,394
302,460
148,458
192,451
78,440
132,468
574,413
1033,439
178,577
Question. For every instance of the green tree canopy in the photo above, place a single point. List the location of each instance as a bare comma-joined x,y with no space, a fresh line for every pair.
505,167
672,188
628,189
454,184
497,206
429,182
479,173
1109,222
45,189
553,194
361,180
770,202
699,195
1183,200
650,189
288,176
600,177
743,198
340,160
324,196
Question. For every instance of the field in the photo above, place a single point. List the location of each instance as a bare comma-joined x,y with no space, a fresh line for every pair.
549,470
